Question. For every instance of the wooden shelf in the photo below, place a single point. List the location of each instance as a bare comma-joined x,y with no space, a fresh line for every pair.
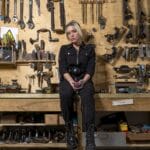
126,146
25,62
25,124
63,145
51,102
121,95
34,61
28,96
104,102
5,64
139,145
34,145
56,96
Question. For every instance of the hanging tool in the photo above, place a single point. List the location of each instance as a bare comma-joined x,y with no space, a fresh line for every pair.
31,79
97,9
85,8
50,7
2,9
30,22
21,21
24,49
15,17
101,18
32,41
62,16
38,3
7,18
82,9
92,10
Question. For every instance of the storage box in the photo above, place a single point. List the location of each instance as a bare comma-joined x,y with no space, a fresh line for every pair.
51,119
54,119
8,119
108,139
138,136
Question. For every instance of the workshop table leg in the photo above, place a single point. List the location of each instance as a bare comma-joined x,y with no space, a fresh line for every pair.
79,130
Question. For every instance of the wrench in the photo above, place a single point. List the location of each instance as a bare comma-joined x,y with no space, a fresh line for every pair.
62,15
1,10
82,9
85,8
38,3
15,17
30,21
21,21
7,18
92,11
101,18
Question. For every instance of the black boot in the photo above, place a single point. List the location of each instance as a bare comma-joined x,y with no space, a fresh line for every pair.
90,141
72,142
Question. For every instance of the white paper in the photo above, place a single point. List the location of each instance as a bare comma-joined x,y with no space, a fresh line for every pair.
4,30
122,102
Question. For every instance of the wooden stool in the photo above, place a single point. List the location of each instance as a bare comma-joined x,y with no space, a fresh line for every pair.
79,116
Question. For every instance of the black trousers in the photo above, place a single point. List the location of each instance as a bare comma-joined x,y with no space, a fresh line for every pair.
88,104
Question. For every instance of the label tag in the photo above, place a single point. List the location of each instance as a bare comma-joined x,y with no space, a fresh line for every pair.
122,102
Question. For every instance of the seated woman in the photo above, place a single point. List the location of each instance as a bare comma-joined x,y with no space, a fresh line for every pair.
76,67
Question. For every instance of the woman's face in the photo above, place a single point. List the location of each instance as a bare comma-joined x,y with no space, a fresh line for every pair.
73,35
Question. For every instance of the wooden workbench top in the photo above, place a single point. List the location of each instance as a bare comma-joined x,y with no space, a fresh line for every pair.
51,102
56,96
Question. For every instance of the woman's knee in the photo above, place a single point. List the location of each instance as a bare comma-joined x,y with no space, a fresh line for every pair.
66,90
65,95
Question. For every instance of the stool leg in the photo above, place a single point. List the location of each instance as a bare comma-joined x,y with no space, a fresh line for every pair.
79,114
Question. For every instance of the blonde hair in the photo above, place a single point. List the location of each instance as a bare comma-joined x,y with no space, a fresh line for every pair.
76,25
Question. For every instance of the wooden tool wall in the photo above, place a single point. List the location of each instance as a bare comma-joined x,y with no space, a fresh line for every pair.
112,11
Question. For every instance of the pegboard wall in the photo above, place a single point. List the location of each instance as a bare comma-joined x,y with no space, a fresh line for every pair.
112,11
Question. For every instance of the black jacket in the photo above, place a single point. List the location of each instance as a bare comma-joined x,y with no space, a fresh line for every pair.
84,60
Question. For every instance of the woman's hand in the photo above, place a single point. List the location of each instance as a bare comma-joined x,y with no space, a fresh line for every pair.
76,85
79,84
72,83
68,77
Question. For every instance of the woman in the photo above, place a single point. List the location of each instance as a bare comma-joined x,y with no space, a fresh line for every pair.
76,67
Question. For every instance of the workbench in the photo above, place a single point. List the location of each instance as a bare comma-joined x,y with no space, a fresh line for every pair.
51,103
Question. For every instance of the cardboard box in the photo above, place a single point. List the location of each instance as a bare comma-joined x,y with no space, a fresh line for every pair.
51,119
8,119
54,119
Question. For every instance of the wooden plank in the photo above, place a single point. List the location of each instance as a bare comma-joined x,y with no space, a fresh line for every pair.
29,105
30,102
139,104
32,61
121,95
23,124
138,137
63,145
102,95
33,145
51,102
126,146
29,96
